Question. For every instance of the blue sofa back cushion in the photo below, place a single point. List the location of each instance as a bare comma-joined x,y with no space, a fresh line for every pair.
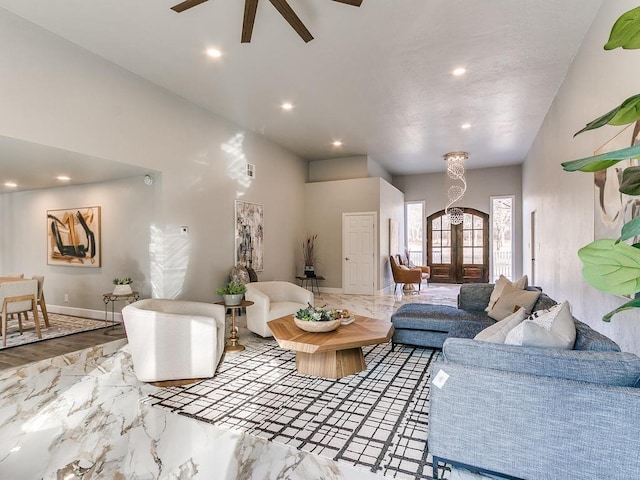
601,367
588,339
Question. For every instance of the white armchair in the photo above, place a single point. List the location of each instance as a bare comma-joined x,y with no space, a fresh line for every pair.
174,339
273,300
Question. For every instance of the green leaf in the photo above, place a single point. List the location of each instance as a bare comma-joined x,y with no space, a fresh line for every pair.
627,112
627,306
636,245
602,161
599,122
611,267
626,31
630,181
630,230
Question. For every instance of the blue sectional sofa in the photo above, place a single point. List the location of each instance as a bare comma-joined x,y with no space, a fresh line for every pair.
536,413
427,325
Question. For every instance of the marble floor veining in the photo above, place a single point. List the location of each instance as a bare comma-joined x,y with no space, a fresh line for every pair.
79,416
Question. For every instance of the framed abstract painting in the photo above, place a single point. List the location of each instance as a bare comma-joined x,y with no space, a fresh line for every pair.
73,237
249,231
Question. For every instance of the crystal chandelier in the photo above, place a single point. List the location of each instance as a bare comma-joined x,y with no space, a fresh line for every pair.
457,184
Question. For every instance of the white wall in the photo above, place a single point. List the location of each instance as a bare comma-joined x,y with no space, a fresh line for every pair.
55,93
564,202
127,213
391,208
482,183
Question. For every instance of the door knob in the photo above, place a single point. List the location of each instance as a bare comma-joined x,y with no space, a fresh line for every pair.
346,258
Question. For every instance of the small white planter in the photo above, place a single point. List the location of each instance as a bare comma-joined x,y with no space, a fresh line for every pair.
122,290
232,300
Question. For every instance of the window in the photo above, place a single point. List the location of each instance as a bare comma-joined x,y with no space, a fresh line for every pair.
414,214
502,237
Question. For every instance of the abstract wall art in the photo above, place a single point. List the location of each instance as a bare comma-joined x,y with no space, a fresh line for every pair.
73,237
249,233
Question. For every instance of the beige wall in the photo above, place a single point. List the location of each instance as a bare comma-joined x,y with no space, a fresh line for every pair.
564,202
338,169
482,184
55,93
325,203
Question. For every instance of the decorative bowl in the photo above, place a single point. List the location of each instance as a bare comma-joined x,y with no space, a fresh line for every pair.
317,327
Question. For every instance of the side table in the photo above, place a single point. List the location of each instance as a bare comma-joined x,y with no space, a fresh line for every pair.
304,282
233,346
111,298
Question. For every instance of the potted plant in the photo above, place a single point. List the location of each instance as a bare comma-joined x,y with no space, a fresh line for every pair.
232,293
122,286
612,265
309,256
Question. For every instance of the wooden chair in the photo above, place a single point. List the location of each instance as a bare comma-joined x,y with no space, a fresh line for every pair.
404,275
19,297
40,298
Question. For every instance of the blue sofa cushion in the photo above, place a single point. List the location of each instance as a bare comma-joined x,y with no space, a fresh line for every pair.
601,367
588,339
441,318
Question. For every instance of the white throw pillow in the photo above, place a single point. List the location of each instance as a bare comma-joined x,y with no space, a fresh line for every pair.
497,332
520,284
553,328
511,298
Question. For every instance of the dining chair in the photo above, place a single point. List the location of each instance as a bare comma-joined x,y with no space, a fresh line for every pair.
17,298
40,298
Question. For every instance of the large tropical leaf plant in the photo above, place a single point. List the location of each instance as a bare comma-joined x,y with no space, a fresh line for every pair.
611,265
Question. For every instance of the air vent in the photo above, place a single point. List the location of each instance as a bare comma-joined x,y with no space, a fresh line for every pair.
251,170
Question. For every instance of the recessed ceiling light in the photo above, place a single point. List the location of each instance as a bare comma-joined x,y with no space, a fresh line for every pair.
10,184
63,178
465,126
337,143
214,53
459,71
287,106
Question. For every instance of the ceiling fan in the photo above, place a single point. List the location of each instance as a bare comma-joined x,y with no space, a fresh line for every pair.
250,7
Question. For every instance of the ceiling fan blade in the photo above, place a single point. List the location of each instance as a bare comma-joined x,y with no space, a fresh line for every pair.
355,3
250,7
290,16
186,5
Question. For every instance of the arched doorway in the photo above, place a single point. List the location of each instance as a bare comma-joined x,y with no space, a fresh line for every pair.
458,253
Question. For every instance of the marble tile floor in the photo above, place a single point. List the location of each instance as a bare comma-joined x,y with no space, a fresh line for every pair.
79,416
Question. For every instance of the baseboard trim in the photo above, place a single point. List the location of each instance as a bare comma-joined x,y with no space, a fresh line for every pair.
83,312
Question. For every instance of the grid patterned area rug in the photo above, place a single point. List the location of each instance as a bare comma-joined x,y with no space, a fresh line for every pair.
61,326
377,419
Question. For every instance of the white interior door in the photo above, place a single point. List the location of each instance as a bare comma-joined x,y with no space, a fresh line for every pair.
358,253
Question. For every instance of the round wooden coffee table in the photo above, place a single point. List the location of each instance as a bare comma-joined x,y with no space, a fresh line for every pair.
332,354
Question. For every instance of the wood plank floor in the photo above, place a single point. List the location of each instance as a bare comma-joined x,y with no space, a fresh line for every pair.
32,352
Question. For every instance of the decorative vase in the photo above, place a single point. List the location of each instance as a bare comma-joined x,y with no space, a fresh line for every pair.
122,290
231,300
309,271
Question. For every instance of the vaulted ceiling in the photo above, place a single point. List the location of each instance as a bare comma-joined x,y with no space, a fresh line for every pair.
377,77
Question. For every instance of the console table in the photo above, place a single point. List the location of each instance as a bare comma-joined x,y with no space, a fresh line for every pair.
305,281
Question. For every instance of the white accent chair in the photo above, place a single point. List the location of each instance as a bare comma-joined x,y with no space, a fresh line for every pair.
273,300
174,339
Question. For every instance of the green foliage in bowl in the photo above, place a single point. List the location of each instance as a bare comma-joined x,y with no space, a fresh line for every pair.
320,314
122,281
